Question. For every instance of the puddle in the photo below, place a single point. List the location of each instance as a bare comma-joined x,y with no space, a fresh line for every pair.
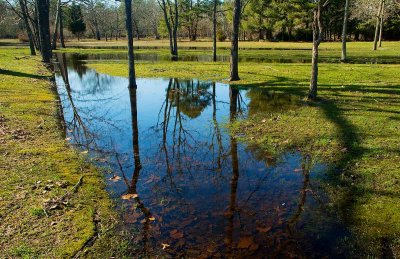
182,182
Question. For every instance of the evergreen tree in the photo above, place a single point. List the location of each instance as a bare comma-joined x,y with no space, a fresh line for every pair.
76,23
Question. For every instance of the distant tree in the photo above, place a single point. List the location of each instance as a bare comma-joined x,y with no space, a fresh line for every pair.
344,32
171,17
234,69
76,24
131,57
317,26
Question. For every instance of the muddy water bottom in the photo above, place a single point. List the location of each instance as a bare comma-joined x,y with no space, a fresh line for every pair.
184,185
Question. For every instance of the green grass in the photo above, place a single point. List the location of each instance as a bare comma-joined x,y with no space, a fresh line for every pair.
354,126
33,154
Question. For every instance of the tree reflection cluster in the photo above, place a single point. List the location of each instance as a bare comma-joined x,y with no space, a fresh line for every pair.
199,191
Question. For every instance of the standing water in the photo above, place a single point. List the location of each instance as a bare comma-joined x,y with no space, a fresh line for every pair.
185,186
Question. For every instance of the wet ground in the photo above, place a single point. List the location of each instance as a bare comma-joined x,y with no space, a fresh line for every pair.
184,185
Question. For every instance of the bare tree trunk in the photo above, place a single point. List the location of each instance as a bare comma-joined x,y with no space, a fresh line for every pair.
61,28
56,24
234,75
131,58
168,24
174,32
344,32
381,24
215,31
44,29
317,38
24,12
377,25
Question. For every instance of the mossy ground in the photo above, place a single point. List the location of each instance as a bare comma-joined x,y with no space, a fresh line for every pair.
37,164
354,126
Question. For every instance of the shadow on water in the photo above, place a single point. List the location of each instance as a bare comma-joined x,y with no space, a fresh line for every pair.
192,189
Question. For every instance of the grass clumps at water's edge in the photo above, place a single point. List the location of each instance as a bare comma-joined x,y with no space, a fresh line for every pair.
37,165
355,126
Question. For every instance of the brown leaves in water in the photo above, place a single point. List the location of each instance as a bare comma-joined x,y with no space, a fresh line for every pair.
263,229
247,243
175,234
129,196
115,178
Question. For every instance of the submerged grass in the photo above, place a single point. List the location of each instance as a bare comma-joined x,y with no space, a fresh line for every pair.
355,126
37,164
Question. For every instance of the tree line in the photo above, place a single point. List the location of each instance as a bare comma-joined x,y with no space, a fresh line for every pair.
274,18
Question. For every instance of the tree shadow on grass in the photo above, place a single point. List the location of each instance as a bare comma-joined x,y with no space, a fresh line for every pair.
21,74
342,172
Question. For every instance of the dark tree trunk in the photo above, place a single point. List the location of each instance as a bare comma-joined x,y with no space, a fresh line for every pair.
35,23
56,24
44,29
61,28
175,30
344,32
378,18
317,38
131,59
215,31
169,27
24,12
234,75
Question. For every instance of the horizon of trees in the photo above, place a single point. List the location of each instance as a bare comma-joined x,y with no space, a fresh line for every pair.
272,20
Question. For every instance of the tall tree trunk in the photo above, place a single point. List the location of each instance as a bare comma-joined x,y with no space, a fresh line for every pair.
44,29
234,75
169,28
61,28
317,38
174,32
344,32
35,23
377,24
24,12
215,31
381,24
131,58
56,24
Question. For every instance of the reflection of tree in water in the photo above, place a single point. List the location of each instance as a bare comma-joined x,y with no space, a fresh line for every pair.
84,117
132,185
77,63
262,100
191,96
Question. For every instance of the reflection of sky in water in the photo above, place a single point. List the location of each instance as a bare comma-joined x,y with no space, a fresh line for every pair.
189,182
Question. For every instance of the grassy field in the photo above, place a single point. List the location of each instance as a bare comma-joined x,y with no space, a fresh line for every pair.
47,209
355,127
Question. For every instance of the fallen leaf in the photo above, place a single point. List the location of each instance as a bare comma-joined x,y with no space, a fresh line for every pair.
152,218
175,234
115,178
129,196
263,229
245,242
